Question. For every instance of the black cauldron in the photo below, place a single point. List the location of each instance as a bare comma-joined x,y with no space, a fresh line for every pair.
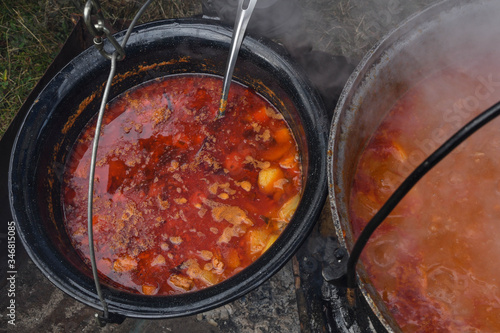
72,98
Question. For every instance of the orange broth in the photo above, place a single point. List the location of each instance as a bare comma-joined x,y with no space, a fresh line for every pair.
182,201
434,260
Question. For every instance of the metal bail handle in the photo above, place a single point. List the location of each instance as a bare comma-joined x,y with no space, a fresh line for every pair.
99,30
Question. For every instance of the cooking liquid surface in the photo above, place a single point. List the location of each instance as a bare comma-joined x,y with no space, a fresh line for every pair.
434,260
182,201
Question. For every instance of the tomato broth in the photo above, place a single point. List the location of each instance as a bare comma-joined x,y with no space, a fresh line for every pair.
182,200
434,259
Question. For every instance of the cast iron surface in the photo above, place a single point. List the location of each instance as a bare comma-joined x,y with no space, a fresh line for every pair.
46,242
324,304
405,55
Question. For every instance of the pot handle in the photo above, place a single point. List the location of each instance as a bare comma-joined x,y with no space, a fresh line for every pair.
99,30
440,153
117,55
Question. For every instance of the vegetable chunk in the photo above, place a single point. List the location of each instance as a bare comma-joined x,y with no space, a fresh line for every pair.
268,177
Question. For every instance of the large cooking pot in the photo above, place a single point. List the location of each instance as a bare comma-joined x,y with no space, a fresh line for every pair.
72,98
449,32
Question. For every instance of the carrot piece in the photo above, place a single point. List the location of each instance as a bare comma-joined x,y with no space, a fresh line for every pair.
260,115
149,290
282,135
232,258
276,152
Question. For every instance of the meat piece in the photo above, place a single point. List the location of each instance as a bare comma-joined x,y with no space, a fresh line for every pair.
181,281
229,232
206,255
124,264
217,264
232,214
176,240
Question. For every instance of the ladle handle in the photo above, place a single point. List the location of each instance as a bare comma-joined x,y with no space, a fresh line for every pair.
243,15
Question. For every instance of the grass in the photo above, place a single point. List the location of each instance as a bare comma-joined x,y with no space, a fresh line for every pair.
33,32
27,47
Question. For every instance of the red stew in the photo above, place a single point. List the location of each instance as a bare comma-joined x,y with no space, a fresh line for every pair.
434,260
182,201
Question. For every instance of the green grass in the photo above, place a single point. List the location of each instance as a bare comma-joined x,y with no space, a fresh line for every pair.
33,32
27,46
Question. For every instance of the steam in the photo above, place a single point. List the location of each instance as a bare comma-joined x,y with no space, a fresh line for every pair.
444,74
271,18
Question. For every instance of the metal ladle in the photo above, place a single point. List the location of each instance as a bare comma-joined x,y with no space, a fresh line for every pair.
243,14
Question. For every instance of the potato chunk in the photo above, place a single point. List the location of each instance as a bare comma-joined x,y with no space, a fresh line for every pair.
270,241
267,178
286,211
208,277
257,240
